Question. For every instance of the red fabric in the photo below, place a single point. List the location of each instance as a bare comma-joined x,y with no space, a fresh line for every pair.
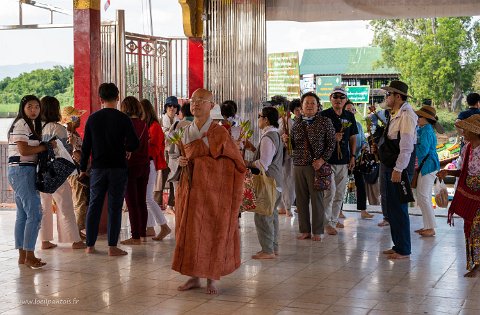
195,64
206,216
156,146
465,202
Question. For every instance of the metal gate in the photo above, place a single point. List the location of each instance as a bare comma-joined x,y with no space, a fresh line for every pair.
144,66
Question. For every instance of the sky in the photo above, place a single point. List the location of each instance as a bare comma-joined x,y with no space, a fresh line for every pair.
34,46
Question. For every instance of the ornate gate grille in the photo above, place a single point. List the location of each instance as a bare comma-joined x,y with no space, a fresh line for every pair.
144,66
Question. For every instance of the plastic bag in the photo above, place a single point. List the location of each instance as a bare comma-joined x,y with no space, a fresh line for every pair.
441,193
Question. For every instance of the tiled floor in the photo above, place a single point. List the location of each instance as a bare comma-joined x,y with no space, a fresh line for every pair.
345,274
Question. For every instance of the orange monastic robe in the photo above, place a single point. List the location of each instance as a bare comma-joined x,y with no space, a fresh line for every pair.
206,209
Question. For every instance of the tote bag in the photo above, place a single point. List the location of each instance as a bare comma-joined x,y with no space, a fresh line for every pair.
265,193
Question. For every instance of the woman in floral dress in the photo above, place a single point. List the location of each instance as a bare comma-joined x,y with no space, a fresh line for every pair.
466,201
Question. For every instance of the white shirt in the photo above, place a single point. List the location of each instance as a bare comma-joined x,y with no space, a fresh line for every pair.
192,132
404,121
21,132
267,150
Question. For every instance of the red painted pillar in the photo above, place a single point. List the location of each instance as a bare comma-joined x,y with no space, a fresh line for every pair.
86,56
195,64
86,66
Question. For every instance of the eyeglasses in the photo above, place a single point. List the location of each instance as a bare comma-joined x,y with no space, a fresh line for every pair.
390,93
199,100
336,96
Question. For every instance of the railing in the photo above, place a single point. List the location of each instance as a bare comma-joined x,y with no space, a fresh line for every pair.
6,192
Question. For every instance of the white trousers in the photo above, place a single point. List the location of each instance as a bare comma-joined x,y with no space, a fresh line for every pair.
424,199
155,214
333,198
67,228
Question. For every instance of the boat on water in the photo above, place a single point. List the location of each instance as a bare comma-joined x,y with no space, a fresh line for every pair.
448,151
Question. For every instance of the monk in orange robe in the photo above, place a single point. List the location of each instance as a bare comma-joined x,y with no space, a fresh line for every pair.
207,200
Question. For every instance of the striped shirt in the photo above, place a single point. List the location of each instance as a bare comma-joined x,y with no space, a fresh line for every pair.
21,132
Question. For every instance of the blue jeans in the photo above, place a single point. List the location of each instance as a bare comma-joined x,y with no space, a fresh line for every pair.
102,181
397,214
29,209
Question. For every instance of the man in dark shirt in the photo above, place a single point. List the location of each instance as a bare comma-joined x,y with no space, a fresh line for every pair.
109,140
342,159
473,101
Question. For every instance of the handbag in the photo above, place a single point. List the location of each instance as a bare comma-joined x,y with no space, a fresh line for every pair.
413,184
249,201
366,163
322,178
404,191
52,171
265,190
372,177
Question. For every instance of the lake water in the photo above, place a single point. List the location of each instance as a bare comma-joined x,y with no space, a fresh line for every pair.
5,124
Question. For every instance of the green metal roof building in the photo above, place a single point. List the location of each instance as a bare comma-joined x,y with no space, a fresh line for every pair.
356,66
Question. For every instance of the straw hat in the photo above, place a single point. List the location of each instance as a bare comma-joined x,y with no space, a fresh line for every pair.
429,112
69,112
471,124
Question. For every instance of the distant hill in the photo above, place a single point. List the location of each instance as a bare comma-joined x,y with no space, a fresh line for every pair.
15,70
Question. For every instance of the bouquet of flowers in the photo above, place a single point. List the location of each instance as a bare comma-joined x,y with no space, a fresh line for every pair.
284,115
175,138
345,125
246,132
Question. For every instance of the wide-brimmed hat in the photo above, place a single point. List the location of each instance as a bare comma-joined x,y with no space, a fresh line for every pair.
471,124
397,87
69,112
430,112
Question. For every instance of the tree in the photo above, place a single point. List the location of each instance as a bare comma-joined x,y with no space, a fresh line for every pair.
437,57
39,82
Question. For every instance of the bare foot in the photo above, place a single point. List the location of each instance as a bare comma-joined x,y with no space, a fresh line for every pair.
303,236
316,238
472,273
389,251
330,230
341,215
22,254
34,263
131,241
211,287
90,250
48,245
427,233
282,211
419,230
339,225
262,255
289,213
365,215
151,231
79,245
383,223
191,283
115,251
165,230
397,256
